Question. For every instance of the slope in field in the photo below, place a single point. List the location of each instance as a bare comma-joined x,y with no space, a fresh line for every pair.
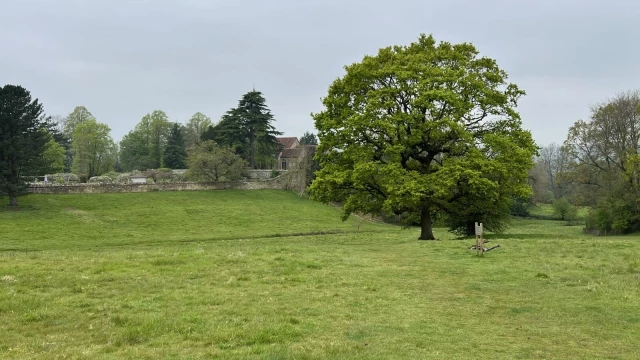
96,220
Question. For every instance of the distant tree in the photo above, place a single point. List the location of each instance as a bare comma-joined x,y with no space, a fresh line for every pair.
22,140
556,163
134,152
56,127
175,154
143,147
564,210
423,130
159,126
54,155
195,127
93,149
79,115
211,162
604,168
309,139
539,180
248,129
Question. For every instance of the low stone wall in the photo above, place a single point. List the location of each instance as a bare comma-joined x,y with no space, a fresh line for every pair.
259,174
278,183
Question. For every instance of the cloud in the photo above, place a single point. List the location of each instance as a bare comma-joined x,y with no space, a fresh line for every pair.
123,59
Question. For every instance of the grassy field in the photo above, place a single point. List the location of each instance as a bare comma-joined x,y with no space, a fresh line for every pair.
267,275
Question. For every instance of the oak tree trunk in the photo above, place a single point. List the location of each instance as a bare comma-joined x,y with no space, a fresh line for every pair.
426,231
13,200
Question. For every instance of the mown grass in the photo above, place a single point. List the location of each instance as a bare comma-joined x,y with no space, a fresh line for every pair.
548,292
106,220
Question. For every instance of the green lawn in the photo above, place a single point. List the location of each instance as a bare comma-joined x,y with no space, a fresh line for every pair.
199,275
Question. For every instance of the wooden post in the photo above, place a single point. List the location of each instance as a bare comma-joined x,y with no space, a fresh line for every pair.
479,239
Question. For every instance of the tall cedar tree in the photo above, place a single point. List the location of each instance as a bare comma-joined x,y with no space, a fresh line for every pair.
247,129
175,154
22,140
423,130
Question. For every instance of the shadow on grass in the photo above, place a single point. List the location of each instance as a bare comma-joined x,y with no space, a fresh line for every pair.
540,236
7,208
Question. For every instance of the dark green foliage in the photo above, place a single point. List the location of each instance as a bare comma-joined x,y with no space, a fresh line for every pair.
309,139
247,129
494,218
520,207
175,155
22,140
143,147
134,152
614,215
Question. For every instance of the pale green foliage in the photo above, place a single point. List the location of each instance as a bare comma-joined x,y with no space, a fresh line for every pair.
103,179
54,155
423,130
563,209
210,162
94,151
195,127
79,115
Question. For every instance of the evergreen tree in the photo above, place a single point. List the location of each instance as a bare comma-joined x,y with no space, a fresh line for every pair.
22,140
309,139
175,154
248,130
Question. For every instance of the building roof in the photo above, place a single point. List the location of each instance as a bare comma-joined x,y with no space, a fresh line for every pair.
287,142
291,153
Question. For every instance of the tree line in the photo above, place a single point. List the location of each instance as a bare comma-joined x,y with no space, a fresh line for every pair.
597,166
34,144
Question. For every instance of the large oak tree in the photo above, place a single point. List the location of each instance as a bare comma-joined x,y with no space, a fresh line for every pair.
423,130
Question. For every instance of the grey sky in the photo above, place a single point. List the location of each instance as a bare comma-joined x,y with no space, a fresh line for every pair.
122,59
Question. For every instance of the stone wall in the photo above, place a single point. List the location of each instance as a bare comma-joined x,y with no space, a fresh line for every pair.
282,182
259,174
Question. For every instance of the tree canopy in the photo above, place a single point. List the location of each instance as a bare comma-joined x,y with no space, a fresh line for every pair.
175,154
248,130
603,164
23,139
308,139
143,147
195,127
423,130
211,162
94,151
79,115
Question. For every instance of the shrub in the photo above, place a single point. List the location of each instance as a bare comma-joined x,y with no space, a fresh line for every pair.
520,207
614,216
564,210
100,180
111,175
63,178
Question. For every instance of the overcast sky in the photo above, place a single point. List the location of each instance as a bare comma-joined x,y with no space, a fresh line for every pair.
125,58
